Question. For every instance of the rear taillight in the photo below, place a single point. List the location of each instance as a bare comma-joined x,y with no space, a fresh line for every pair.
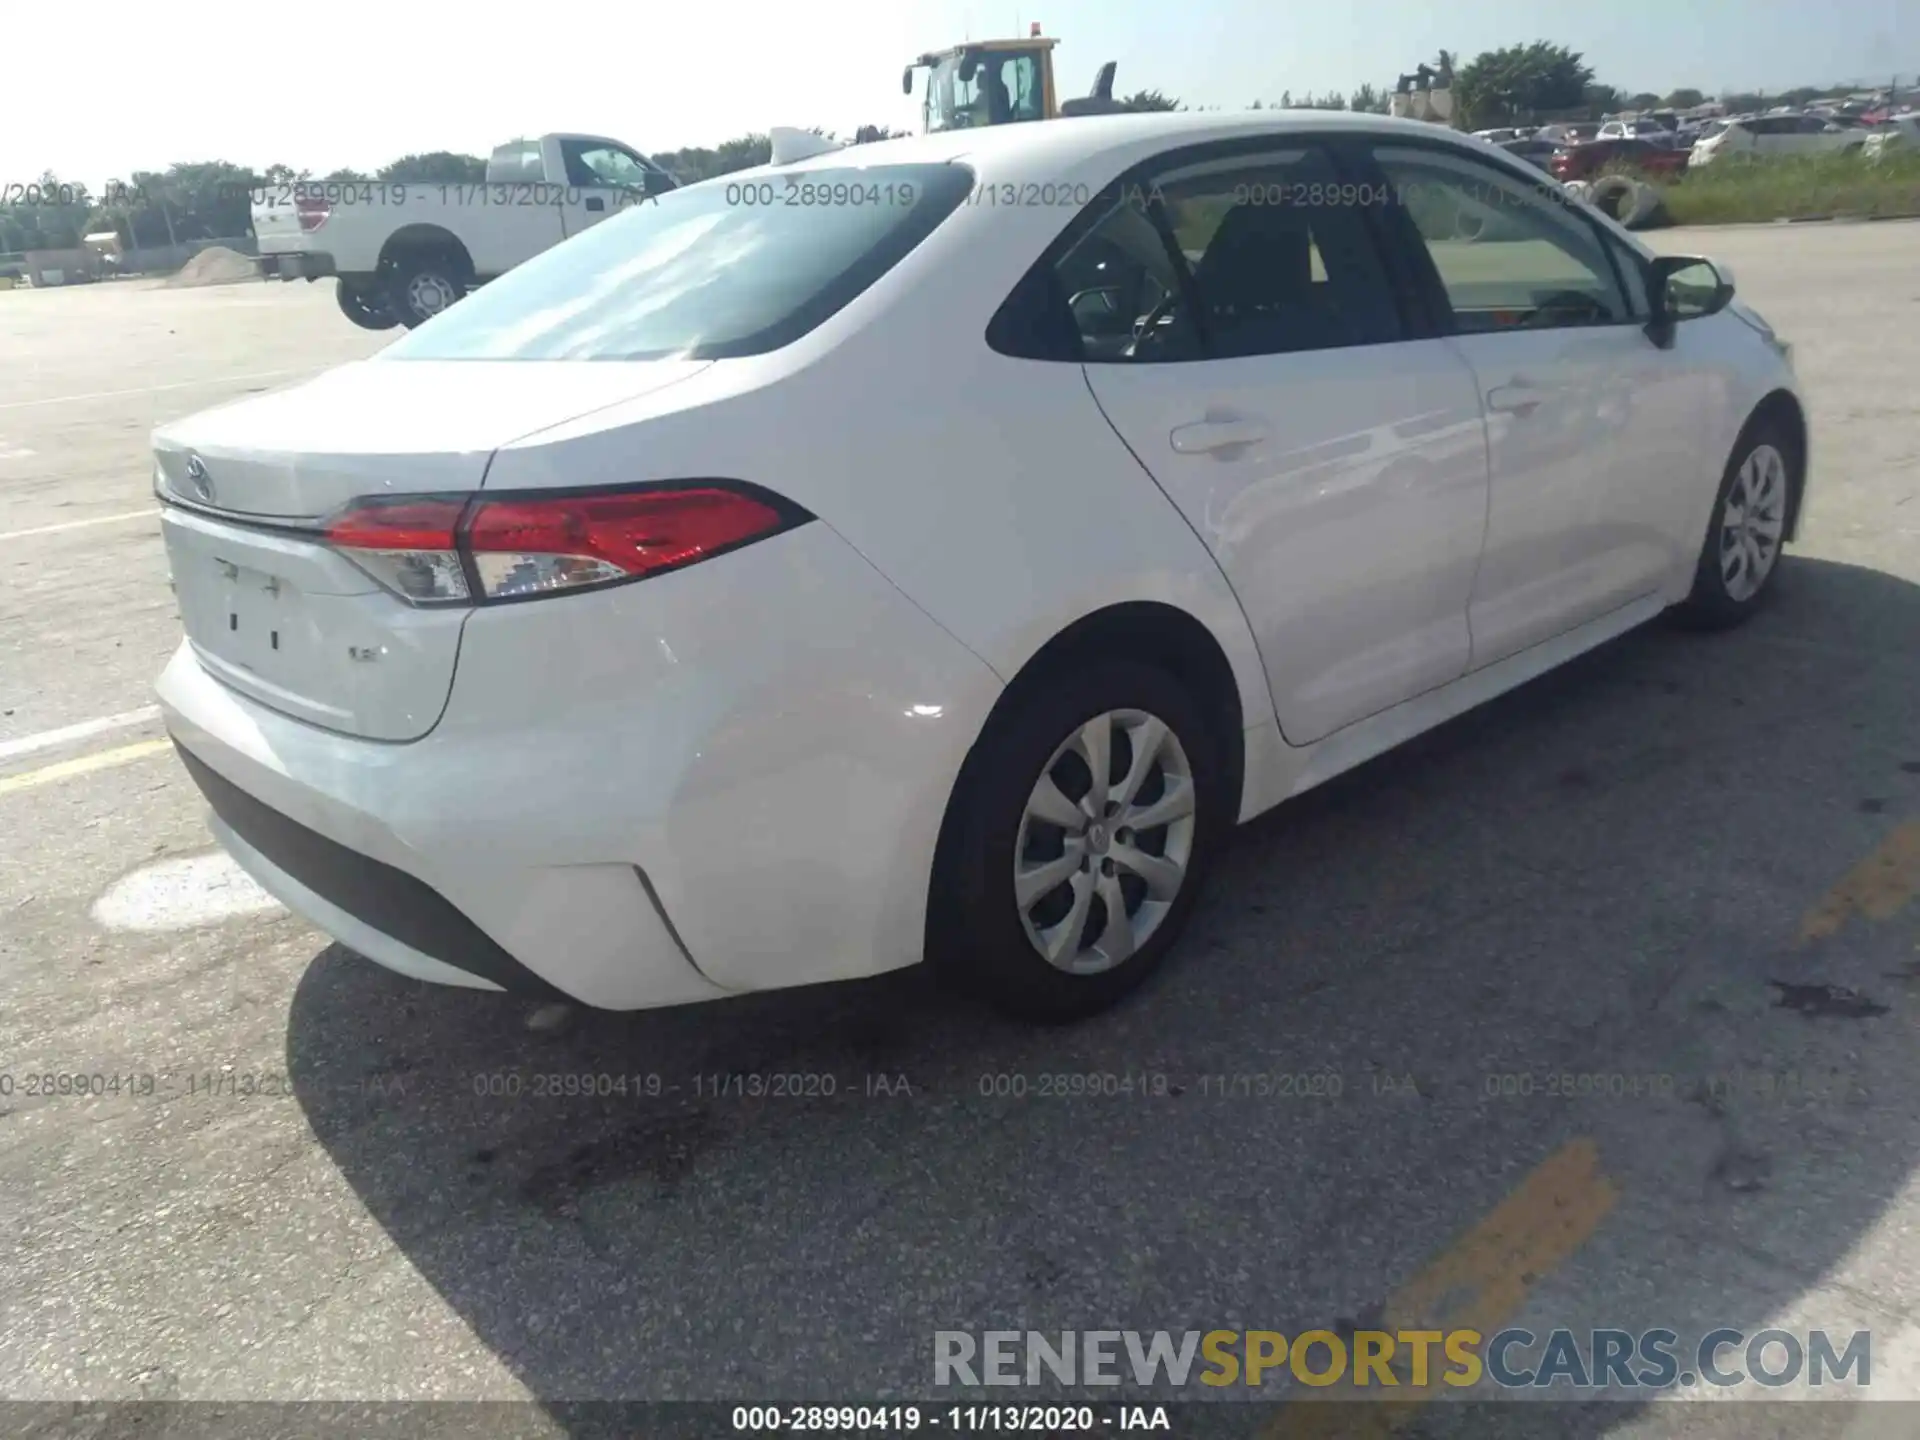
408,543
451,550
312,211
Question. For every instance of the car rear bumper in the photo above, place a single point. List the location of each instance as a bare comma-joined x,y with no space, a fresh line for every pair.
720,780
296,265
298,812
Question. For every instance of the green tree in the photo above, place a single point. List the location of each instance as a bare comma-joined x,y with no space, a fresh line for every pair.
1367,101
346,177
1685,99
1149,100
1501,86
49,215
1599,99
436,167
1643,100
696,163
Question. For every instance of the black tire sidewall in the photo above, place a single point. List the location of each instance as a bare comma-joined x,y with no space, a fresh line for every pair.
359,305
980,943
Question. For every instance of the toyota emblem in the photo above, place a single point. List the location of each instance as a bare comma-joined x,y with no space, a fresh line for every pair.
197,476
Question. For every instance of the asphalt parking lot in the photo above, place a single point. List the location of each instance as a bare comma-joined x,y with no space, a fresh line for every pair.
1686,862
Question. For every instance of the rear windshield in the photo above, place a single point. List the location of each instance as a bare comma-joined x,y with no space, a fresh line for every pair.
735,266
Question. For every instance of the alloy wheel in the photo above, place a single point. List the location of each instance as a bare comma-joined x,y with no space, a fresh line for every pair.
429,294
1105,842
1752,522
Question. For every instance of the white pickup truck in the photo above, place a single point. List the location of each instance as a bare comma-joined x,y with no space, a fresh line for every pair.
404,252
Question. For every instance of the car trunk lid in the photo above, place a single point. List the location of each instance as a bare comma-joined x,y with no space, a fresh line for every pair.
282,617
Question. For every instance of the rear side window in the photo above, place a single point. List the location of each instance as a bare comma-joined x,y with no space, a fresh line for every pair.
514,163
737,266
1253,254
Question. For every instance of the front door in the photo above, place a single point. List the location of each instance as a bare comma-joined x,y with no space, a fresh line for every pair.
1241,337
1585,415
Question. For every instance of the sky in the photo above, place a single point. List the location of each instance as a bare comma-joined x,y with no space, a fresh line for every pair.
358,83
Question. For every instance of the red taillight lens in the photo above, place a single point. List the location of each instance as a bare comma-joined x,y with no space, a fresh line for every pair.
409,543
448,550
312,211
526,546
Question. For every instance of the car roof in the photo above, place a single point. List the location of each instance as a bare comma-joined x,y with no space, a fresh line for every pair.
1052,147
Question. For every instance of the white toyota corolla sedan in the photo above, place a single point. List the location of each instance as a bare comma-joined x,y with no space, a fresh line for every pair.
929,550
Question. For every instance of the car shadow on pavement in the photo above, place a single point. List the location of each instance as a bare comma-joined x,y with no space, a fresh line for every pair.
1616,871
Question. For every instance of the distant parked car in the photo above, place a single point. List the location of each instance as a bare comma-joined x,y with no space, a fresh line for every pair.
1766,136
1568,134
1902,132
1584,162
1633,130
1534,151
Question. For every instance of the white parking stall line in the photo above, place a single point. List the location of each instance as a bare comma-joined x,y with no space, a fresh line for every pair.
77,524
85,730
153,389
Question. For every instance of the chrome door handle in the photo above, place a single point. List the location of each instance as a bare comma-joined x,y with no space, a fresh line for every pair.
1515,399
1210,435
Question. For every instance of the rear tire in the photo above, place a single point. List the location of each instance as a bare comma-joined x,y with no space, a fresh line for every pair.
1108,898
424,284
366,308
1741,553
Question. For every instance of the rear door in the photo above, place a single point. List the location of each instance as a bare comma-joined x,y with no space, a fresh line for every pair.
1242,336
1586,417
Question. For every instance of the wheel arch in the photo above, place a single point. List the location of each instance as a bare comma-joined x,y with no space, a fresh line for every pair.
1148,630
430,239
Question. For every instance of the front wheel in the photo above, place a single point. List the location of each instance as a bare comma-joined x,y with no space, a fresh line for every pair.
1089,819
366,308
1742,549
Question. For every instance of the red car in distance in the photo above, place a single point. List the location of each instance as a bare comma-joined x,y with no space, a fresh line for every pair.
1585,161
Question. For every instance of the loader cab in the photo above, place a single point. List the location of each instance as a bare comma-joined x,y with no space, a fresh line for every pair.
1001,82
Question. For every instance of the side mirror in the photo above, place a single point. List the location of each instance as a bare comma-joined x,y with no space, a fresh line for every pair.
906,81
1685,287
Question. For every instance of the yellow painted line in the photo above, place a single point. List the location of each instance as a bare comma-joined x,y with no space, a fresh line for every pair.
1480,1282
85,765
1879,887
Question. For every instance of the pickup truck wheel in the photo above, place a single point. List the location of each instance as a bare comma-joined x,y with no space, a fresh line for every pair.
423,286
366,308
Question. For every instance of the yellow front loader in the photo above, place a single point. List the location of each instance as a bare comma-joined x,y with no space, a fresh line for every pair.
1000,82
